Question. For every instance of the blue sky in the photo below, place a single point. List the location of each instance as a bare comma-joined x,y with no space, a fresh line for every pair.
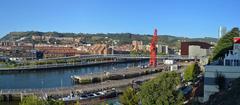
188,18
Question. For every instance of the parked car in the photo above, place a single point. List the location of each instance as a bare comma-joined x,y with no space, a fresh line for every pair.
84,96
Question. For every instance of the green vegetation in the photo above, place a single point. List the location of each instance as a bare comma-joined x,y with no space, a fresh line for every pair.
139,52
225,44
129,97
162,90
34,100
85,81
103,103
13,64
8,64
77,103
191,72
55,102
1,98
158,91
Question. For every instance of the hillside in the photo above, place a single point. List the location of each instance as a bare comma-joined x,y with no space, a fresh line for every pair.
123,38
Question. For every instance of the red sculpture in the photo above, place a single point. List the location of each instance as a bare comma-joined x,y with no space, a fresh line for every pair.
153,50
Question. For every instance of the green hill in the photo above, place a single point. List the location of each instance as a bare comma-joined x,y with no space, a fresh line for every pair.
123,38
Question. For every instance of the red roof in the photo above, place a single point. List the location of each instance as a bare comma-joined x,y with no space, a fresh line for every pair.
236,40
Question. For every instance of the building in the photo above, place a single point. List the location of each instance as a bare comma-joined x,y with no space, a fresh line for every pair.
197,51
137,45
194,48
52,52
62,39
123,49
18,53
100,49
168,62
8,43
229,67
222,31
164,49
41,37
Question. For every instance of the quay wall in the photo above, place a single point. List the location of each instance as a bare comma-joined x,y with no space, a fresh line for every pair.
62,66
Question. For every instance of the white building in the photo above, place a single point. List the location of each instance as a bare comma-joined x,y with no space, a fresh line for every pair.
162,49
173,67
195,50
229,68
168,62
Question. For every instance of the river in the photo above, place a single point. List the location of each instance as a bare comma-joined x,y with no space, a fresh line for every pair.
56,78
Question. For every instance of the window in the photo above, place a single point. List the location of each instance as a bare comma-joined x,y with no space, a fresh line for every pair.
227,63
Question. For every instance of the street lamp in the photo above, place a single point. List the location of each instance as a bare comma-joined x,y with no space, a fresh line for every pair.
61,88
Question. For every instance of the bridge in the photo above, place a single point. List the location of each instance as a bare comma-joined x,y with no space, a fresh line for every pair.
126,56
88,60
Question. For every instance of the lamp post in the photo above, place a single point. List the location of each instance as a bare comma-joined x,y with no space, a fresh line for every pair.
42,88
61,88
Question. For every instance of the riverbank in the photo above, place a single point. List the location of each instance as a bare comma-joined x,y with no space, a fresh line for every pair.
63,66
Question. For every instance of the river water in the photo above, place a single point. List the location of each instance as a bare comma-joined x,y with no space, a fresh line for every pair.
56,78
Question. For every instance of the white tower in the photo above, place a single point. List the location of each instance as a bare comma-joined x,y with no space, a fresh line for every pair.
222,31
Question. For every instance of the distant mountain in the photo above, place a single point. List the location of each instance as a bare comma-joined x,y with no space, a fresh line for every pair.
123,38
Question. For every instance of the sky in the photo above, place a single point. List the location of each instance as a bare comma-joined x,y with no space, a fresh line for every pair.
186,18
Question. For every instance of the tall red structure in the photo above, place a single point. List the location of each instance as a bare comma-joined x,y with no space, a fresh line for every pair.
153,50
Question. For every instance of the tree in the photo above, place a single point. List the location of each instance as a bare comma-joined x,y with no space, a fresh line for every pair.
77,103
162,90
32,100
220,81
190,74
55,102
129,97
225,44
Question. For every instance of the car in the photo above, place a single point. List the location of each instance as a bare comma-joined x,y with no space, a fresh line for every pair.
101,93
97,94
82,97
92,95
70,98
